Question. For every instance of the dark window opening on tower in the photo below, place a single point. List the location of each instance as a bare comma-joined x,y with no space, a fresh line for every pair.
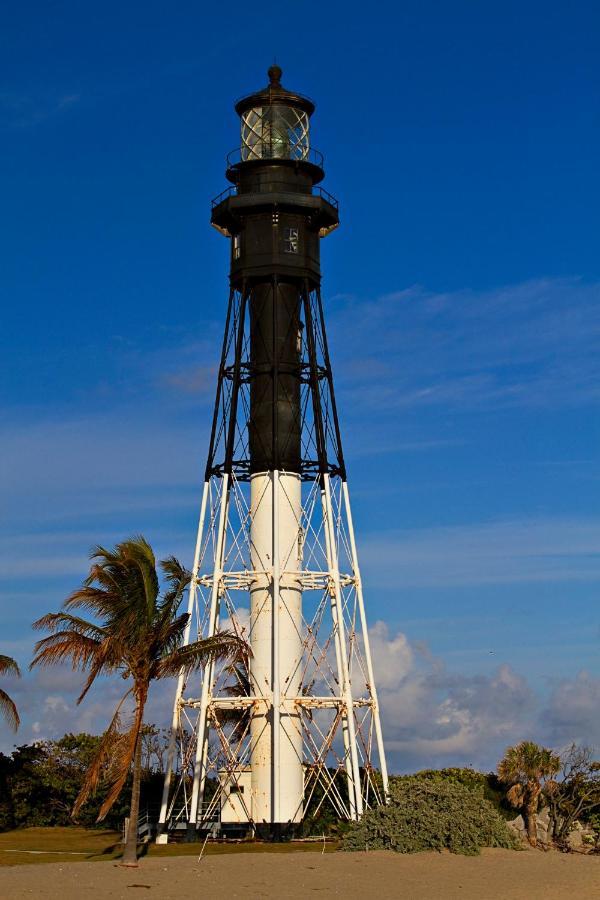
291,240
236,789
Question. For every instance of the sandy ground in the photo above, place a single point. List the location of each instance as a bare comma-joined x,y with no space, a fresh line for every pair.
381,875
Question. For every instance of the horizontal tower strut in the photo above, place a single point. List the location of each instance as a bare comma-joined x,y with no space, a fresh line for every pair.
308,702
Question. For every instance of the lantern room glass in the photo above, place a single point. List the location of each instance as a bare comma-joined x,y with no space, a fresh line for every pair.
275,132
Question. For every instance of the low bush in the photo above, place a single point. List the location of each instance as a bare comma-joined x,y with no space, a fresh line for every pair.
431,814
486,784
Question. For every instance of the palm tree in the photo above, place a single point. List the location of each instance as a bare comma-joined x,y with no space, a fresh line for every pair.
239,686
526,768
7,706
139,633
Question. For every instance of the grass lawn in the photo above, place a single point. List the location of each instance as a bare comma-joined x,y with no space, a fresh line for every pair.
57,845
74,844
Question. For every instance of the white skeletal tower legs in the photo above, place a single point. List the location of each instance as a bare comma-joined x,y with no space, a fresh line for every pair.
344,679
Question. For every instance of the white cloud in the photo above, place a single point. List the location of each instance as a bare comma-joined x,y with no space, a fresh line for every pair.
532,344
435,717
518,551
46,699
572,713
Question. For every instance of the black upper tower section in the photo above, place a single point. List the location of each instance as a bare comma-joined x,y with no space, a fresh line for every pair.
274,215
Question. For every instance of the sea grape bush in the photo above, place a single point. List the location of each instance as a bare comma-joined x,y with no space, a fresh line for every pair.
485,783
431,814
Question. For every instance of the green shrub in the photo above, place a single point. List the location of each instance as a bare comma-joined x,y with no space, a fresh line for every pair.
486,784
431,814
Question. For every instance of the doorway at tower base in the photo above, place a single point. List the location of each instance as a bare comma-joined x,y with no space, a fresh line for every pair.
275,637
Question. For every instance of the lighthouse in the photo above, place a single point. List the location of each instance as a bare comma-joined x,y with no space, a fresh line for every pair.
255,743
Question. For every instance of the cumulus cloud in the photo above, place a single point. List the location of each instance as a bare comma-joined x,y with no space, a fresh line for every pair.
46,699
433,717
572,713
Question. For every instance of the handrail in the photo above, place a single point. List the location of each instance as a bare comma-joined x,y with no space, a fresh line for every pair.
232,190
312,156
328,197
223,195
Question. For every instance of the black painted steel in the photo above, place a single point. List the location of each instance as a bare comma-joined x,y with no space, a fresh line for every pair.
275,407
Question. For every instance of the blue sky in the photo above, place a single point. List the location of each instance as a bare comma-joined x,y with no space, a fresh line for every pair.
463,304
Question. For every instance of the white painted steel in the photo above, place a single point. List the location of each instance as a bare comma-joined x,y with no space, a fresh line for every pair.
277,646
236,790
367,644
202,744
193,588
275,577
276,635
337,613
338,660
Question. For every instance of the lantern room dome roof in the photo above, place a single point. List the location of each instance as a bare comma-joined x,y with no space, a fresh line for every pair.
274,94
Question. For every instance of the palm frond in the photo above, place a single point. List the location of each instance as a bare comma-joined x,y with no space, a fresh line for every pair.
125,751
92,777
194,656
174,571
108,658
53,621
9,710
516,796
9,666
169,635
240,687
97,600
64,645
178,579
138,551
176,576
238,671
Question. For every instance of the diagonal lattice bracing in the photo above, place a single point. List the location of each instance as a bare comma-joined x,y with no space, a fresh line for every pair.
221,716
230,698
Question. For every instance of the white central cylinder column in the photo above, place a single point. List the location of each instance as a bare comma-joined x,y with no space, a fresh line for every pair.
275,638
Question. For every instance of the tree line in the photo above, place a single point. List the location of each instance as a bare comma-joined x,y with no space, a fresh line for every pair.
40,782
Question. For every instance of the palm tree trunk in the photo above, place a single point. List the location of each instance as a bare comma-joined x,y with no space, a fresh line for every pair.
531,808
130,852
